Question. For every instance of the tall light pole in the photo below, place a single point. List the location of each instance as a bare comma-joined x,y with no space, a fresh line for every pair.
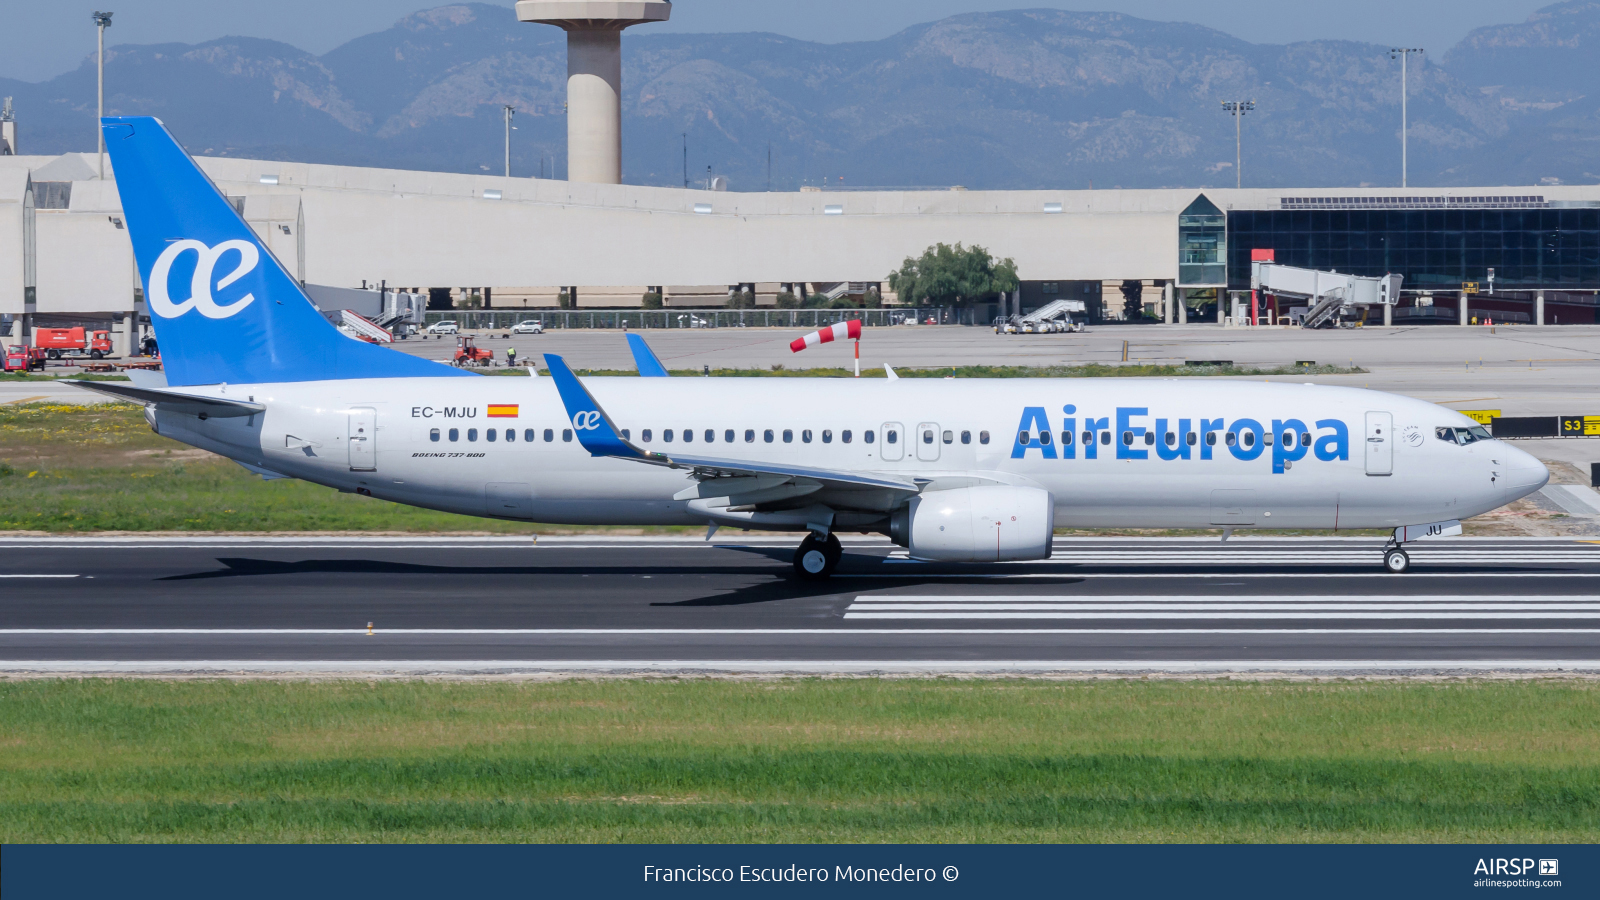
509,113
1237,109
1404,55
102,21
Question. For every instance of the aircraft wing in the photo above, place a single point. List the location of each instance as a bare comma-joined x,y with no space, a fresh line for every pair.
171,401
600,436
649,365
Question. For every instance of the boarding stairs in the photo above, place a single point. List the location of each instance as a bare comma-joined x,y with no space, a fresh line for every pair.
365,328
1054,310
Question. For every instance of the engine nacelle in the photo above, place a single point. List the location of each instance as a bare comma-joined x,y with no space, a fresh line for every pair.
977,524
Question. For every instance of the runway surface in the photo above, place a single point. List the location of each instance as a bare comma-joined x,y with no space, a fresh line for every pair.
508,605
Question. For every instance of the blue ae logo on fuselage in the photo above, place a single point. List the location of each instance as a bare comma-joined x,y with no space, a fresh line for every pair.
1134,436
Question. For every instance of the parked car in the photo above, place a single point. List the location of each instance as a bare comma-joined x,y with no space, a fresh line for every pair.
532,326
446,326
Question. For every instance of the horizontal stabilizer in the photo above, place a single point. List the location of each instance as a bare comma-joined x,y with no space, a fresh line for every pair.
170,401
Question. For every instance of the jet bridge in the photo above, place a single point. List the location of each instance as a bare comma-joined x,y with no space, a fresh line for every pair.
1331,298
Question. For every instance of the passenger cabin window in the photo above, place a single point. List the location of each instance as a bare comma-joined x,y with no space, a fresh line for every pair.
511,435
891,436
1044,438
845,436
749,435
434,435
983,437
711,436
566,435
626,434
866,437
1193,439
1249,438
805,436
472,434
827,436
666,435
1305,438
1105,438
1127,439
1211,439
927,435
1066,438
645,435
1088,437
766,436
949,437
1231,439
1172,439
1149,438
788,435
455,435
528,435
549,435
489,435
688,435
966,437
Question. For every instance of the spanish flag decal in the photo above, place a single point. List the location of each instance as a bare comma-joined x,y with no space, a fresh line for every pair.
502,410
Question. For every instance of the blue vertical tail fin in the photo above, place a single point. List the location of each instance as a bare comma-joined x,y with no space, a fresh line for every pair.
223,307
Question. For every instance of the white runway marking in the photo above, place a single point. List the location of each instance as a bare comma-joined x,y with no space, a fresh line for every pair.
1170,608
38,576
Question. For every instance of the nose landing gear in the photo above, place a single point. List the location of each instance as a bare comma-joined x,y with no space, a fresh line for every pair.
1396,561
816,558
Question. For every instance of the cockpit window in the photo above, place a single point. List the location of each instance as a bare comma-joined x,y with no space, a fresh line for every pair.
1463,436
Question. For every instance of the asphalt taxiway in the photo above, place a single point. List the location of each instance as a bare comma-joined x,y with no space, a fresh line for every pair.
165,604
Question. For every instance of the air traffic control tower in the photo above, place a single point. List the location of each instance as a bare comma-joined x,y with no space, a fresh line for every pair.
594,76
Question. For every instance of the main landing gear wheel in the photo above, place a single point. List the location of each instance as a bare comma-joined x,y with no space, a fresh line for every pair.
816,559
1396,562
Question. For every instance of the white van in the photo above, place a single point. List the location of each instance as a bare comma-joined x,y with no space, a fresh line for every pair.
447,326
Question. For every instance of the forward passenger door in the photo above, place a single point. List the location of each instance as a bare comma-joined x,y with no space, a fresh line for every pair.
1380,443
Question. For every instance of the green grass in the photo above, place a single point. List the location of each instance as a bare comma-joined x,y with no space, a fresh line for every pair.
53,379
1084,370
799,760
100,468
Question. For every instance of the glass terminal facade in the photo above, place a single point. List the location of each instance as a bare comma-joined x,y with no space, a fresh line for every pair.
1203,246
1437,243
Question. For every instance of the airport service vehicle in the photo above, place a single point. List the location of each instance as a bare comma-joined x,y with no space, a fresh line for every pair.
59,342
468,353
956,470
24,359
443,327
531,326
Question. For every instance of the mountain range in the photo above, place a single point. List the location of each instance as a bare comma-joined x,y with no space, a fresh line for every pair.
1020,99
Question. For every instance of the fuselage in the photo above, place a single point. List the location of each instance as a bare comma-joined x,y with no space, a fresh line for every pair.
1185,453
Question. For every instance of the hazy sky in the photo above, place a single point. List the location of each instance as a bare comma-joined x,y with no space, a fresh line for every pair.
48,37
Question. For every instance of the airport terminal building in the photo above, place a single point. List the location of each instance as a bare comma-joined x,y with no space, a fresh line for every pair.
515,243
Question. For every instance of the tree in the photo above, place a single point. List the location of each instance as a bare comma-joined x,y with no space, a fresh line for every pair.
741,299
948,276
787,300
651,300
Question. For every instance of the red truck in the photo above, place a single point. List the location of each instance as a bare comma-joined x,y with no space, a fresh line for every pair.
59,342
23,359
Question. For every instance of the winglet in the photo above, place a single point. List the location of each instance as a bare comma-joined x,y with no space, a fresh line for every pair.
645,358
596,432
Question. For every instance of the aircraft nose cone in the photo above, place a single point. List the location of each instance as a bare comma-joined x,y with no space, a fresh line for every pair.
1522,474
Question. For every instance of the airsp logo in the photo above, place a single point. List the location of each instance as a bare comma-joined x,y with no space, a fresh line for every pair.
200,286
588,420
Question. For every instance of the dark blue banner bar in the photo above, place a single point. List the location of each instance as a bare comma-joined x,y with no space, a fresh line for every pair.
1189,871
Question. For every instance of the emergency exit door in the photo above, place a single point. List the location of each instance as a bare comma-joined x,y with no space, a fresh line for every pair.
363,439
1380,443
927,438
891,441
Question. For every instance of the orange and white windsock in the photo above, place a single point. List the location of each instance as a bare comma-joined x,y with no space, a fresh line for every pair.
844,331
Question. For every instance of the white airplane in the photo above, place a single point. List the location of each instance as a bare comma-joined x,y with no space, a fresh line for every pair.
953,469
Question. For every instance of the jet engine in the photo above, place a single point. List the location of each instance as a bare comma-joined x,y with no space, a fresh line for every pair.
977,524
